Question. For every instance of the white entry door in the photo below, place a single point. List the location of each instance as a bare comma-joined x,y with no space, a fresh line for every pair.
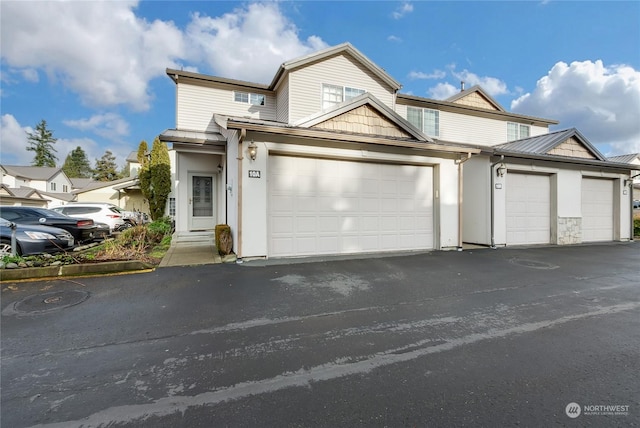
528,209
202,197
322,206
597,210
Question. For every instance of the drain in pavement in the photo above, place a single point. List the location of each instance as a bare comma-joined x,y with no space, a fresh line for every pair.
47,302
533,264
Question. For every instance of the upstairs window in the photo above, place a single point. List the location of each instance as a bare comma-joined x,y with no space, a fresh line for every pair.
53,187
65,188
248,98
426,120
333,94
517,131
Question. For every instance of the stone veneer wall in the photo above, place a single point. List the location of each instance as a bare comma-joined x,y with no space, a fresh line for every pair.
569,230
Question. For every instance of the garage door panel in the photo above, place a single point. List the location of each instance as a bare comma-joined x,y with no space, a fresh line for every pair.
359,207
597,210
528,209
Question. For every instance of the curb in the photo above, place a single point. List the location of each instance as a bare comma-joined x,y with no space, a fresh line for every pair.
73,270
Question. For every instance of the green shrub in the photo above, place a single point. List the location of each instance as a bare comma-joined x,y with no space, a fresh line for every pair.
636,227
158,229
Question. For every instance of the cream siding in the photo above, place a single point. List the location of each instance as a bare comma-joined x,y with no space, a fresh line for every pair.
305,84
282,113
196,105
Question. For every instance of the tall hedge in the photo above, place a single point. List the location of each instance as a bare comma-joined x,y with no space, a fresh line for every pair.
155,177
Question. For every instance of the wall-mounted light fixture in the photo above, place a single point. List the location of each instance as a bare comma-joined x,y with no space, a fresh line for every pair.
219,168
502,170
253,150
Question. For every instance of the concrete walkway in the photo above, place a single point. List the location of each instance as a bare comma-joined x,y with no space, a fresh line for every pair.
194,248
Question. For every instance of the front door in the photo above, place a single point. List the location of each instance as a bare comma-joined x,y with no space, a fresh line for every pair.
202,196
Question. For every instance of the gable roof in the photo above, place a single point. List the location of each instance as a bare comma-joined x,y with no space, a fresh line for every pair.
546,143
79,183
344,48
629,158
22,192
475,91
385,115
101,184
32,172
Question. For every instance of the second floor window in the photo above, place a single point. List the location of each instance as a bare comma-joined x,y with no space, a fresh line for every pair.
53,187
426,120
65,189
333,94
248,98
517,131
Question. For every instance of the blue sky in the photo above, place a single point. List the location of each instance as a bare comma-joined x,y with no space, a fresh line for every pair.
95,71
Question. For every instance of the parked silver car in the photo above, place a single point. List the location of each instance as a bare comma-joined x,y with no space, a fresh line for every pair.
34,239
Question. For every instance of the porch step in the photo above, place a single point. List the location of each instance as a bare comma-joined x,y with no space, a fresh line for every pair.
194,238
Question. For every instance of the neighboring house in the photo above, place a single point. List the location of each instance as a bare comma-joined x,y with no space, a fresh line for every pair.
329,159
44,179
133,164
23,196
80,183
124,193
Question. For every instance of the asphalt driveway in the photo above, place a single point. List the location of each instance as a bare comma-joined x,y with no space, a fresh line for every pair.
475,338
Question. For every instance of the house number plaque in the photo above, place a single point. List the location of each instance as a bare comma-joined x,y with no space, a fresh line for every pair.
254,173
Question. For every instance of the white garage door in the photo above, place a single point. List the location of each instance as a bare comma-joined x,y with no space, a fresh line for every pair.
528,209
597,210
321,206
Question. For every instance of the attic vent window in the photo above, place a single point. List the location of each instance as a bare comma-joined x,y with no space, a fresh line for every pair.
248,98
334,94
517,131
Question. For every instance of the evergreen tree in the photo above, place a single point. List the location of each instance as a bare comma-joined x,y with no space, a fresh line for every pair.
41,142
106,168
155,177
76,165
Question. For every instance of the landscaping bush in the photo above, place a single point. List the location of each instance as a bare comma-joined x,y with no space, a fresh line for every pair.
224,241
158,229
636,227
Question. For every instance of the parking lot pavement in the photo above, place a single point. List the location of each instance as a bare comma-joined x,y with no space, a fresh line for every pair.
475,338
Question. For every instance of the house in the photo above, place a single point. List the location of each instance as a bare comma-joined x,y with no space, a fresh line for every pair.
22,196
329,158
124,193
44,179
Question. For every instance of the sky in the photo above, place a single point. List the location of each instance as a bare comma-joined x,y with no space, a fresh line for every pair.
96,70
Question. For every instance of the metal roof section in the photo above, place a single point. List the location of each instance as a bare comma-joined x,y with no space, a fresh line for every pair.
69,197
101,184
79,183
31,172
361,100
193,137
344,48
476,89
468,110
542,144
628,158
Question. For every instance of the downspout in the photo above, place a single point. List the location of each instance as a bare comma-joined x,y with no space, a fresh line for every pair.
243,134
631,205
493,228
459,162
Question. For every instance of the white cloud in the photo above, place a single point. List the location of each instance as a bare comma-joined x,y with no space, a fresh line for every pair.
249,43
603,103
442,91
437,74
13,142
108,125
99,49
493,86
402,10
393,38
